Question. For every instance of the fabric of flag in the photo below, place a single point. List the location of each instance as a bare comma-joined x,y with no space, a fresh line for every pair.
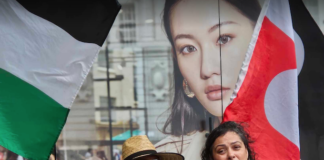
310,82
46,51
266,93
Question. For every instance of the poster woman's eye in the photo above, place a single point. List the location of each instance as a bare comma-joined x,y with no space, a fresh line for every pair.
188,49
223,39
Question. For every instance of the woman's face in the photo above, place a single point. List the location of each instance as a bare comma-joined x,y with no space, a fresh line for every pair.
195,31
229,146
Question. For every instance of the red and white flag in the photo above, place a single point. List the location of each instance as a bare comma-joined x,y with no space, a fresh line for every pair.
266,93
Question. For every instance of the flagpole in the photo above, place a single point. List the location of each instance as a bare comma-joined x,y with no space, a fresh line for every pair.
109,102
64,144
55,152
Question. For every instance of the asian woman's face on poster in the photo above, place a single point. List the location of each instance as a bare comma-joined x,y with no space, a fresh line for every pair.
195,31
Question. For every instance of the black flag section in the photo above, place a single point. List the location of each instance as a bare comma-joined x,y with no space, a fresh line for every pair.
310,83
87,21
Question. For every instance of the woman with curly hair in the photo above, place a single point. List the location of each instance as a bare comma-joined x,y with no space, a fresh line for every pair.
229,141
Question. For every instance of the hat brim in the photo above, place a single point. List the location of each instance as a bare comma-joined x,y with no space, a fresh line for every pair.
165,156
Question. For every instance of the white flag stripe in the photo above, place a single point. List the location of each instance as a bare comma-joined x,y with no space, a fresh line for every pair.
281,113
279,14
280,105
249,53
42,54
300,52
281,101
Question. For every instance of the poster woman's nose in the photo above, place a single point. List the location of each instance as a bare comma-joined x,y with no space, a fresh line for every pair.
210,62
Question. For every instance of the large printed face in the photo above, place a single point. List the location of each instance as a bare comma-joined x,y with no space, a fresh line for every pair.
195,31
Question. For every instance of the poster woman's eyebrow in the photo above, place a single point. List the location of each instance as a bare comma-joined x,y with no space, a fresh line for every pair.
216,26
183,36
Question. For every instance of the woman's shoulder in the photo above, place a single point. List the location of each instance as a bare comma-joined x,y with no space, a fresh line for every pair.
165,143
172,142
190,148
172,139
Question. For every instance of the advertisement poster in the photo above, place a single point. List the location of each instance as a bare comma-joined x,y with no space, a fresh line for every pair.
197,36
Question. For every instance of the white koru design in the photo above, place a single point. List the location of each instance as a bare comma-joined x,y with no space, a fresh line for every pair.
281,105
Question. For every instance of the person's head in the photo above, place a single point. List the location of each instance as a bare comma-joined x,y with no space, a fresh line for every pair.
140,148
2,149
54,154
90,151
101,155
229,141
11,155
52,157
193,27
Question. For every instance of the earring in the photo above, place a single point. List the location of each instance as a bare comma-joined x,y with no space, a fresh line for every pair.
187,89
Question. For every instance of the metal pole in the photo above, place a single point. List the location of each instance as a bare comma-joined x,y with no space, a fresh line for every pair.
64,145
144,88
153,17
146,122
131,122
109,102
210,125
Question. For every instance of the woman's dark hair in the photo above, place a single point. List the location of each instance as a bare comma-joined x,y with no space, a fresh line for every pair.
230,126
189,110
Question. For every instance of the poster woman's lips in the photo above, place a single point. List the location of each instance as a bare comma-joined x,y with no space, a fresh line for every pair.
214,92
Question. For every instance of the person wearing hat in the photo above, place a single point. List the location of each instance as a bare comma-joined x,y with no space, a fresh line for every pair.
140,148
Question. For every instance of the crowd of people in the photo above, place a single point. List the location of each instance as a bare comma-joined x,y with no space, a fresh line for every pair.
6,154
9,155
94,155
229,141
90,154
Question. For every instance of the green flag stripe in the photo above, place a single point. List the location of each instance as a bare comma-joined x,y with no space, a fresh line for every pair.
28,117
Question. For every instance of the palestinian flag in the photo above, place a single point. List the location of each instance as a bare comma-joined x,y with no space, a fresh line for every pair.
310,56
266,93
46,51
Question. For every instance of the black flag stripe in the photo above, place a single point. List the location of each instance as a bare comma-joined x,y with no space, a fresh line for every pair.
87,21
310,82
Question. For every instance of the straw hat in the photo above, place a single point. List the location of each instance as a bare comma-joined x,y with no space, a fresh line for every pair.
140,147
